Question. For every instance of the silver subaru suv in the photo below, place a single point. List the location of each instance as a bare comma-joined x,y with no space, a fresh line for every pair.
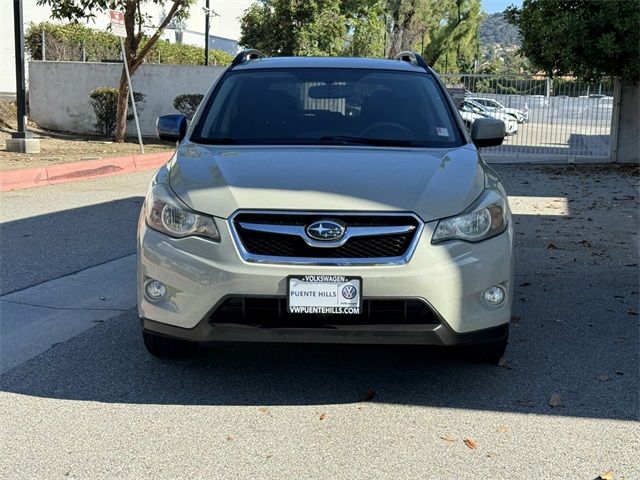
326,200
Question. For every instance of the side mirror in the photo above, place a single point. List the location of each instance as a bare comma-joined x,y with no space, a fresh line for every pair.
171,128
487,132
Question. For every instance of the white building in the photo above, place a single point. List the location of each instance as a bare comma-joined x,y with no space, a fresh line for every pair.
224,28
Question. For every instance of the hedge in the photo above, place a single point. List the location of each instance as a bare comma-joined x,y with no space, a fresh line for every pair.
188,103
65,42
104,101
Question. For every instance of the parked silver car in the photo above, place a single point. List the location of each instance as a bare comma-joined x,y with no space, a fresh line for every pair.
510,123
326,200
521,115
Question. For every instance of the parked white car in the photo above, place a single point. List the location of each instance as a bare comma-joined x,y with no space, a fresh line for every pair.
521,115
510,123
469,117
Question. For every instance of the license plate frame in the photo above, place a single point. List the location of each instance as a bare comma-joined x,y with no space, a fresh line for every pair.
343,305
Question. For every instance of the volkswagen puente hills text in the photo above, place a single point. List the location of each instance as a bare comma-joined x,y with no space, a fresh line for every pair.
326,200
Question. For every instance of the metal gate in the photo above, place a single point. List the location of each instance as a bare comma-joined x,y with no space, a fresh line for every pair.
556,120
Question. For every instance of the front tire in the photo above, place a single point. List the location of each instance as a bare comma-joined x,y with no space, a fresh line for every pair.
167,347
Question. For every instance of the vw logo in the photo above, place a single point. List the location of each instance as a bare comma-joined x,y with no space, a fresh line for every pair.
349,292
325,230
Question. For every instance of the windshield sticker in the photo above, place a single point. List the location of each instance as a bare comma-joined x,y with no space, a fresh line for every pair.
442,132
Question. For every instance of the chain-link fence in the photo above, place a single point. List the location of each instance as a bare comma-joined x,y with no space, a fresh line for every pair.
546,119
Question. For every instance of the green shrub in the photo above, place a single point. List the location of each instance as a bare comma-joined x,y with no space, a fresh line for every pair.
65,42
187,103
104,101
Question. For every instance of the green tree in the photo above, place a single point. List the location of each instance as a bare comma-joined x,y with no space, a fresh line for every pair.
366,23
586,38
445,31
294,27
453,39
135,21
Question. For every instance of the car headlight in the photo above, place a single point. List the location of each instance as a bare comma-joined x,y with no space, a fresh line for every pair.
167,214
486,218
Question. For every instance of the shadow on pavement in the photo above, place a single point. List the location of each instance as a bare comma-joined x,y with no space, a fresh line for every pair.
43,247
574,333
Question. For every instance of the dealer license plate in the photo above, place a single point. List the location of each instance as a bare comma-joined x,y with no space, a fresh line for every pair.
324,294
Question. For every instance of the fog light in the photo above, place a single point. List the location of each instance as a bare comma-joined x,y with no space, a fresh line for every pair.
495,295
155,290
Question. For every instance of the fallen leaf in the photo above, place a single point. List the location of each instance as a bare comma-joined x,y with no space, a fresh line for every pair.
230,438
469,442
525,284
323,416
491,455
263,410
632,312
608,475
603,377
551,246
618,372
504,364
503,429
368,395
447,438
555,400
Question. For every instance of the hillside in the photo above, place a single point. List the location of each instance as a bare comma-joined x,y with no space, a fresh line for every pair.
494,29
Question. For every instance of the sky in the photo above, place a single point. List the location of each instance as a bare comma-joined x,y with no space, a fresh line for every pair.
493,6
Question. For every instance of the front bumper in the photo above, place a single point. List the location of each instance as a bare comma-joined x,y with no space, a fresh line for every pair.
449,277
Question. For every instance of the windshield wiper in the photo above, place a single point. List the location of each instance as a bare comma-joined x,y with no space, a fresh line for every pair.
378,142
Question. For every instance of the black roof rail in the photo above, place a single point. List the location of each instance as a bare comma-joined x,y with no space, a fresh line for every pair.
243,56
413,58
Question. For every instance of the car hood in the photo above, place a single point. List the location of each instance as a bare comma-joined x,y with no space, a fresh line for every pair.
433,183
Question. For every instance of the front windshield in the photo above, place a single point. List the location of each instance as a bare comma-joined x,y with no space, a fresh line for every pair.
334,106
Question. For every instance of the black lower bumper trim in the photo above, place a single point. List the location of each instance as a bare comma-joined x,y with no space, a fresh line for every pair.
441,335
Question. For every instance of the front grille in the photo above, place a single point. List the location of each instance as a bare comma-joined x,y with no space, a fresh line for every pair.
276,245
376,246
272,313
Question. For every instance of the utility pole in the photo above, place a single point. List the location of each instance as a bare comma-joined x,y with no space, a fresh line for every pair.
206,32
22,140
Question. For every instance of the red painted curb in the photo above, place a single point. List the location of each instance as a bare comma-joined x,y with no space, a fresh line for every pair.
74,171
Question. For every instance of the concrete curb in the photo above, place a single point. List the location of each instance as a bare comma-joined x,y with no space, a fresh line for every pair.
74,171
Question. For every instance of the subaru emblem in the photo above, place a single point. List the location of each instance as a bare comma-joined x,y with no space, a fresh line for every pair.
325,230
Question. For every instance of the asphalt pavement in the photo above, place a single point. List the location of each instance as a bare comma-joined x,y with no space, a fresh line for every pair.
96,405
49,232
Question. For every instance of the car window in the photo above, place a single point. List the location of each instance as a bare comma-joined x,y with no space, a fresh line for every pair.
325,106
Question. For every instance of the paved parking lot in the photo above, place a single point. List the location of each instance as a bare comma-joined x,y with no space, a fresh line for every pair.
96,405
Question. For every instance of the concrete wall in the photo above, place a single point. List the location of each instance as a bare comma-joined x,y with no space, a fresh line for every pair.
59,91
628,150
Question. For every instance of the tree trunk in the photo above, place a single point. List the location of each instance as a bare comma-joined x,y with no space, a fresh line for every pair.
123,106
135,57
